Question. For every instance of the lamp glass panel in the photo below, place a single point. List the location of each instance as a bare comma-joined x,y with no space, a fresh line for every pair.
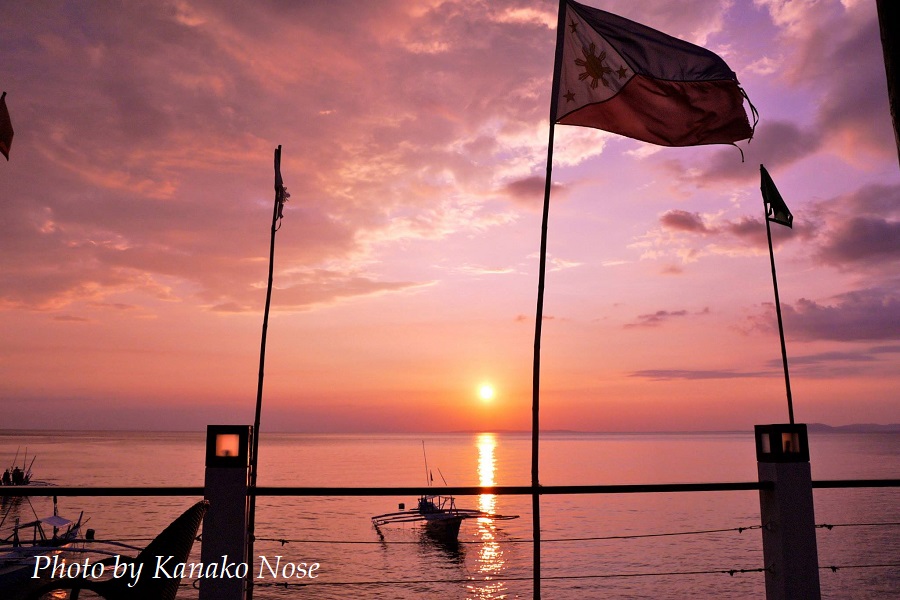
228,444
790,443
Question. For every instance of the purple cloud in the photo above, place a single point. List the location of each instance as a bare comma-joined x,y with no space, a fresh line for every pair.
682,220
689,374
866,314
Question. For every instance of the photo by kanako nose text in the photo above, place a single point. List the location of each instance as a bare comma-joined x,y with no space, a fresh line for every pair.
54,567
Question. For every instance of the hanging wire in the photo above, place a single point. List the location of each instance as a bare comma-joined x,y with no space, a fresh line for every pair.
470,580
284,541
836,568
830,526
730,572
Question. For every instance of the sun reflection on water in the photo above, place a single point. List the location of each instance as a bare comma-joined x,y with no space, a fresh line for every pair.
490,562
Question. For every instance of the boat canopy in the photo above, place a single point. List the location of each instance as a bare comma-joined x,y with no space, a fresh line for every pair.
56,521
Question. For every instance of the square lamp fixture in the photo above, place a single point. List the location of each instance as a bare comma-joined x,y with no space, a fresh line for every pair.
228,446
781,443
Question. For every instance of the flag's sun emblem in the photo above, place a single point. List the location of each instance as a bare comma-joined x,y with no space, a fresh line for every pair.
594,67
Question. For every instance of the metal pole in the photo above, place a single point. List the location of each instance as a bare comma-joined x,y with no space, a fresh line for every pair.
254,455
539,313
784,360
536,385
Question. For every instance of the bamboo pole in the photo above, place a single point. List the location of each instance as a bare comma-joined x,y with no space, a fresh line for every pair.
280,199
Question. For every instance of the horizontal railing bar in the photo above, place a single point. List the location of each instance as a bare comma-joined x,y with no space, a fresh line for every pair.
523,490
68,490
855,483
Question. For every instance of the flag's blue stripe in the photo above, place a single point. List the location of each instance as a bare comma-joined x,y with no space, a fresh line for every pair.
655,54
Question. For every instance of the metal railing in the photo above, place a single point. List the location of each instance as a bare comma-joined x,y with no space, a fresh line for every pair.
550,490
522,490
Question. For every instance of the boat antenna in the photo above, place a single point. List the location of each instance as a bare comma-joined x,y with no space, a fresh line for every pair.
16,459
442,476
55,514
428,477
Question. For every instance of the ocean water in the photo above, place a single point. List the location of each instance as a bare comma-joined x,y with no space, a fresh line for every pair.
648,545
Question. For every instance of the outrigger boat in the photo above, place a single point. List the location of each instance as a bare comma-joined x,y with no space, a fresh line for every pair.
439,513
29,540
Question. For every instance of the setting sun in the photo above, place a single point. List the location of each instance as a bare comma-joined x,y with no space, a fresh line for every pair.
486,392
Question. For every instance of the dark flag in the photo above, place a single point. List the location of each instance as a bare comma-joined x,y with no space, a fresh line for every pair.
776,210
624,77
6,130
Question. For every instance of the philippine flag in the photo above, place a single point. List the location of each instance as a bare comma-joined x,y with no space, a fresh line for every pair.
624,77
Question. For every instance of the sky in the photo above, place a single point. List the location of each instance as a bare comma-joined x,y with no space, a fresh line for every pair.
137,202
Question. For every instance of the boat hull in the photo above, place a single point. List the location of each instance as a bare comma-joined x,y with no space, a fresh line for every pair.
444,527
16,581
17,571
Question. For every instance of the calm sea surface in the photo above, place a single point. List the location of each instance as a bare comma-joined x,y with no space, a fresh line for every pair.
493,560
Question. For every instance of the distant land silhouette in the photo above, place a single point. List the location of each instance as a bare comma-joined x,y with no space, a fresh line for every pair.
856,428
813,427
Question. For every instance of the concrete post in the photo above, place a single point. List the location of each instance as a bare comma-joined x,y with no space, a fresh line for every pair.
224,539
786,509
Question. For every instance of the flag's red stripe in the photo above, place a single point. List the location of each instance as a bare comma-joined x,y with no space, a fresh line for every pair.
670,113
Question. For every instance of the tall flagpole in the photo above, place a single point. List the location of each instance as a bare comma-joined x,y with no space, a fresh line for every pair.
784,360
281,197
539,315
